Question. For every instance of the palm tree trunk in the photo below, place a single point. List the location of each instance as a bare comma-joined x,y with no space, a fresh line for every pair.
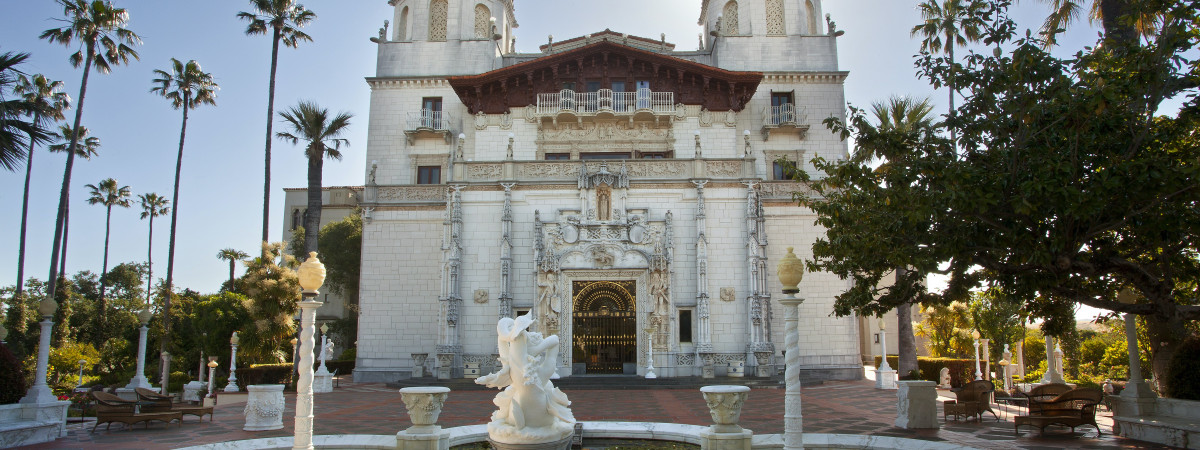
1113,19
24,217
231,261
266,223
953,131
150,261
66,228
104,271
60,225
170,287
312,221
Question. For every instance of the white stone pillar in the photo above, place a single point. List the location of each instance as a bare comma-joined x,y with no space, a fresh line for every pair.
885,376
40,392
978,371
232,386
650,353
139,376
1137,397
917,407
793,423
165,380
424,404
725,405
264,407
304,388
985,353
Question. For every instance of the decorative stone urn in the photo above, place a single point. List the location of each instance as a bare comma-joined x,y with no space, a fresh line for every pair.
264,407
424,404
725,406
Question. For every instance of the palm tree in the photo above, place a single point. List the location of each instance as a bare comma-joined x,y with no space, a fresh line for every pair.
49,104
904,115
283,18
1107,12
153,206
232,255
187,87
312,124
13,129
86,148
958,22
107,193
103,42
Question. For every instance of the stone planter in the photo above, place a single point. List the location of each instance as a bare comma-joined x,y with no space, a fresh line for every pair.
264,407
418,369
737,369
424,404
725,406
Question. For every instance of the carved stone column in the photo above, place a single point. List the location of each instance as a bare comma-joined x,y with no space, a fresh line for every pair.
451,299
506,216
703,327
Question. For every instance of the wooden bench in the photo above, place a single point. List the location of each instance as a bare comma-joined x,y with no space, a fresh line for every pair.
973,399
1074,408
110,408
165,403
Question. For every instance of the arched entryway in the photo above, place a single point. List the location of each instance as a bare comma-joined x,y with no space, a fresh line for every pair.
604,323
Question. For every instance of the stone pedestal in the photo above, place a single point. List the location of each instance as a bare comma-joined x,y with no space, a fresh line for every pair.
418,369
737,369
707,370
194,390
322,381
1137,399
264,407
885,379
763,369
445,364
424,405
725,405
917,407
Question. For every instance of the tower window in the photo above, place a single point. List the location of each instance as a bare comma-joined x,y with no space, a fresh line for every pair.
438,15
429,175
685,325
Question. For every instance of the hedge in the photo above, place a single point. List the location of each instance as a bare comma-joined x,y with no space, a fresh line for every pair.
265,374
12,377
962,371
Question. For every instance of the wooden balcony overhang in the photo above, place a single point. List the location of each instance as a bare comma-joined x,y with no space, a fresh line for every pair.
517,86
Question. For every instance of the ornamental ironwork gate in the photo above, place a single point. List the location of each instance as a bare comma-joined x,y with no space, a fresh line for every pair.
604,325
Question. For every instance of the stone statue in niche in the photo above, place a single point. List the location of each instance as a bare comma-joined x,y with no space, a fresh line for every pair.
481,296
548,301
531,409
604,203
727,294
660,291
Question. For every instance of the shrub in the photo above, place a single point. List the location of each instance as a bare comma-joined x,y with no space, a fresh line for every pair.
12,378
342,367
177,380
265,374
349,354
1183,372
961,370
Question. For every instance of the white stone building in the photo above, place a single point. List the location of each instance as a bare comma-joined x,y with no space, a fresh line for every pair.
621,191
337,202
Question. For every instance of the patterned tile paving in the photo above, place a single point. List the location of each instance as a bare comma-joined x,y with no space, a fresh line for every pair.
853,407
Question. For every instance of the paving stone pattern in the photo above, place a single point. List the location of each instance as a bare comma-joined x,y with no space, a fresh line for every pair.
846,407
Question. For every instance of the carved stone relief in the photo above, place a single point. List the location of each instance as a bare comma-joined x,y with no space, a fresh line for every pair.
727,294
481,296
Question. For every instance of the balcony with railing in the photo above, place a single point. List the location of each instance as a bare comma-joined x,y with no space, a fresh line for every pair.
784,117
428,123
605,102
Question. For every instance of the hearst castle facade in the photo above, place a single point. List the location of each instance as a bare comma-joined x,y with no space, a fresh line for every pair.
621,191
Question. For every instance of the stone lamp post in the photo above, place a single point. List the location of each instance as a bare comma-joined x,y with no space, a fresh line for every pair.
650,353
295,350
232,386
978,372
82,362
139,377
40,392
1005,362
790,271
312,276
212,371
322,379
885,377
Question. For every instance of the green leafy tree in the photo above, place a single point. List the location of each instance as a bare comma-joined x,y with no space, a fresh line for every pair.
947,329
313,125
126,286
997,318
48,103
153,205
283,18
233,256
64,365
187,87
109,194
341,251
86,147
99,27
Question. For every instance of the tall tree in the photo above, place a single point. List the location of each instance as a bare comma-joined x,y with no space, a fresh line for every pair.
14,129
109,194
312,124
284,19
87,148
1063,12
956,21
48,102
103,42
153,205
186,87
232,255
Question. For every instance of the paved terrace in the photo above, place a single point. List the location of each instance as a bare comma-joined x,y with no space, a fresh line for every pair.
845,407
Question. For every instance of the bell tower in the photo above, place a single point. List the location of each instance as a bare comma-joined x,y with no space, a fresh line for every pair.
445,37
742,32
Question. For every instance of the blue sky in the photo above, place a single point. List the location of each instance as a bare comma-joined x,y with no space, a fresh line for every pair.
221,187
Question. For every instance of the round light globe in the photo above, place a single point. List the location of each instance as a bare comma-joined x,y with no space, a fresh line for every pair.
144,316
234,339
312,274
790,271
212,364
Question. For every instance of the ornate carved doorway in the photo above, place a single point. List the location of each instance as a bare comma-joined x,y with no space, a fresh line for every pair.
604,322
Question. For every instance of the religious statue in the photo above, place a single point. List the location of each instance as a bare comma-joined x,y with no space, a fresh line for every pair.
327,350
547,303
383,31
660,290
531,409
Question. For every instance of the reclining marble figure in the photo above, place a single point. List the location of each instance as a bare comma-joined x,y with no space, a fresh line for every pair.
531,409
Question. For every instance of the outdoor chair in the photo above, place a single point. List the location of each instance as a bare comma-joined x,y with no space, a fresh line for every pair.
110,408
1040,395
973,399
1074,408
165,403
